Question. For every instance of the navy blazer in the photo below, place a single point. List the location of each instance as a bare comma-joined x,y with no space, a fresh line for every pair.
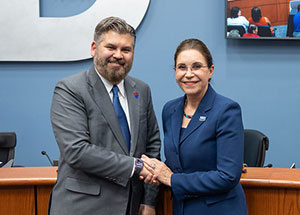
207,158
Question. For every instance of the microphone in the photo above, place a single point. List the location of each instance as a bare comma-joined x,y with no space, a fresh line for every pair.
269,165
45,153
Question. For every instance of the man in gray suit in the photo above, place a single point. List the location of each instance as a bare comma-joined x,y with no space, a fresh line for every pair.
99,166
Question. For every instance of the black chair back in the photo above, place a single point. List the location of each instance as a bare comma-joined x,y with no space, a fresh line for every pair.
240,28
264,31
256,145
8,142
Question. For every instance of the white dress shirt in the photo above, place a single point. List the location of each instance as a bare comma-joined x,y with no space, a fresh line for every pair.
123,101
240,20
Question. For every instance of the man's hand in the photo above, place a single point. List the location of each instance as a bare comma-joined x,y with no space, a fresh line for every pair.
148,177
158,169
146,210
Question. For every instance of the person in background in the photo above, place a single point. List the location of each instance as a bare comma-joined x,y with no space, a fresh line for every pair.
234,33
203,140
296,32
257,19
103,121
252,31
236,18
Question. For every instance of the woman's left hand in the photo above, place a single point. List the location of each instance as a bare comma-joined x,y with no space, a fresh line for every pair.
158,169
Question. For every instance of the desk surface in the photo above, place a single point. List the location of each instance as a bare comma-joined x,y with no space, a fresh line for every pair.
255,176
28,176
261,200
271,177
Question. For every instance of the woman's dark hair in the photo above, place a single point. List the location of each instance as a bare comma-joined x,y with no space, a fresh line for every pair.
252,28
256,14
196,45
234,12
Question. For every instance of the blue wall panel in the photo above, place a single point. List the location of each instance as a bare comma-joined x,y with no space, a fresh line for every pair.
263,76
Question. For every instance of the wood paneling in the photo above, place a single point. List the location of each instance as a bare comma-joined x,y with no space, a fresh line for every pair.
272,201
43,195
22,188
164,206
15,200
276,11
268,191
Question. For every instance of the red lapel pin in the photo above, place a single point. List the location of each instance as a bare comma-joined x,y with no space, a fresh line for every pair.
136,94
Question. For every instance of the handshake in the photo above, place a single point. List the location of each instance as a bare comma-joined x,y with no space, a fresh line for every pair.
155,172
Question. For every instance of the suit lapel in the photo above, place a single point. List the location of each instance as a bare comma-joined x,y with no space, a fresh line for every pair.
200,115
103,101
176,122
134,111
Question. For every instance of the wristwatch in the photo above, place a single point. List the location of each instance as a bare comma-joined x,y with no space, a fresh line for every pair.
138,166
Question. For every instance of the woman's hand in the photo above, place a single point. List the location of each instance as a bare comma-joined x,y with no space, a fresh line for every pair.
158,169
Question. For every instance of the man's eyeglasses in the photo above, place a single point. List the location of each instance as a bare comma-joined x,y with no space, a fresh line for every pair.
194,67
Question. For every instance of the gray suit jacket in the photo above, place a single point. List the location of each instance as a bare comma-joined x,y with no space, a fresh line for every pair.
95,166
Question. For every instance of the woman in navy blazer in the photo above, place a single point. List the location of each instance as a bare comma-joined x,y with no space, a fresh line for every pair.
203,140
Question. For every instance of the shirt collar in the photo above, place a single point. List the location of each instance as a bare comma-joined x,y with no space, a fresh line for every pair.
109,86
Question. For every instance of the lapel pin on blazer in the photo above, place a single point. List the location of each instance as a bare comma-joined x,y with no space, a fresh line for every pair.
202,118
136,94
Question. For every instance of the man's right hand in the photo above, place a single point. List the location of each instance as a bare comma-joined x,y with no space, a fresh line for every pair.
148,177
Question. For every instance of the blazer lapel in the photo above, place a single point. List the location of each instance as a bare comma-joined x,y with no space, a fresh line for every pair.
134,111
103,101
200,115
176,122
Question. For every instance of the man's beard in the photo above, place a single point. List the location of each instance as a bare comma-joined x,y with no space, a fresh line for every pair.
113,74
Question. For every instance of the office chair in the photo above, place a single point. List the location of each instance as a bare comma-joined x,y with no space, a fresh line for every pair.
264,31
8,142
256,145
240,28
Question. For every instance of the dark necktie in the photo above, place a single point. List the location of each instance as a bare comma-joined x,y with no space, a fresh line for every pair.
121,116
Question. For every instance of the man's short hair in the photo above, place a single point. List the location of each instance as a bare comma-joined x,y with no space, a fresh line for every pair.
115,24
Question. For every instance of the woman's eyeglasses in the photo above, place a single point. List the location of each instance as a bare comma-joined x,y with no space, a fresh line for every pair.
194,67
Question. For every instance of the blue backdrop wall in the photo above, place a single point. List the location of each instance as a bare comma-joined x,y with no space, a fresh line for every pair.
262,76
